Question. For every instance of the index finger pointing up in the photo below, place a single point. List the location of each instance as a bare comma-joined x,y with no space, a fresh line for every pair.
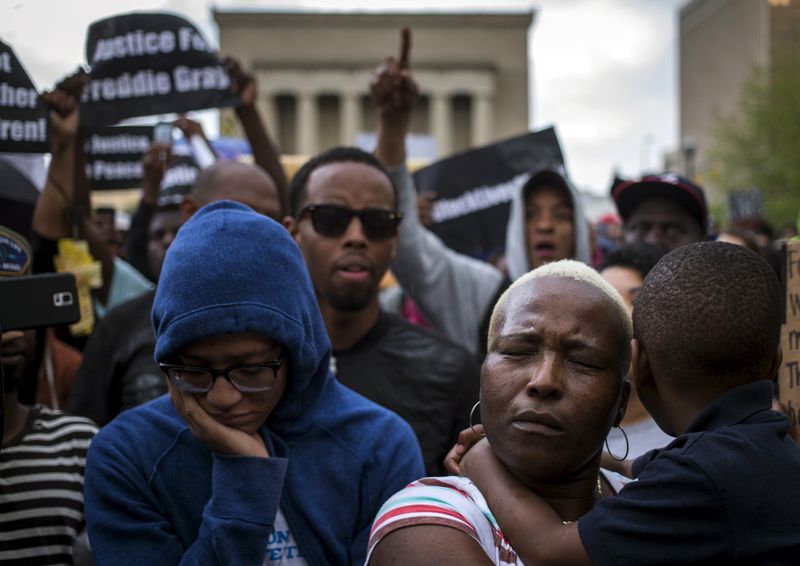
405,47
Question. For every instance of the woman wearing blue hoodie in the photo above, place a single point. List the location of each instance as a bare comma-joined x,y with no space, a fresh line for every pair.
258,455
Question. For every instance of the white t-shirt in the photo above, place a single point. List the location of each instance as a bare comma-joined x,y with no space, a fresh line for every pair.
281,546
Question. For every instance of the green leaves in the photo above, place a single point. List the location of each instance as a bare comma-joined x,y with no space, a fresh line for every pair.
757,146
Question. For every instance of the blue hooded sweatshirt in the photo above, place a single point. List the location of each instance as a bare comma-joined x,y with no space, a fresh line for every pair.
155,494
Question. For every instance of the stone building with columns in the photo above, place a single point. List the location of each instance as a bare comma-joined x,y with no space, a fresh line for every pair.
313,70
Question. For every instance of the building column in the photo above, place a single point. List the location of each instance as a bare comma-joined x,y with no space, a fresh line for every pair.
307,123
350,117
442,122
482,117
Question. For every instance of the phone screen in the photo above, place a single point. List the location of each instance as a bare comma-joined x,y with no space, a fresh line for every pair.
162,133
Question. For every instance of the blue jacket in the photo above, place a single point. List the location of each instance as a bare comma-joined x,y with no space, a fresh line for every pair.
154,494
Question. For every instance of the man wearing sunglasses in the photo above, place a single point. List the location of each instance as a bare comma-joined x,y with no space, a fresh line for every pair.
258,454
345,221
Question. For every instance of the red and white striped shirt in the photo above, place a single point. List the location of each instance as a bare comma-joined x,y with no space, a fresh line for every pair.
453,502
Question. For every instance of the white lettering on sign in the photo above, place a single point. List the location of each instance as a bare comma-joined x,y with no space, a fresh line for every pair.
477,199
17,97
23,130
189,39
142,83
134,44
204,78
5,62
114,170
119,143
179,175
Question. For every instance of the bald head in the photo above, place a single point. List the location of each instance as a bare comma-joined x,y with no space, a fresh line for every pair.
576,271
240,182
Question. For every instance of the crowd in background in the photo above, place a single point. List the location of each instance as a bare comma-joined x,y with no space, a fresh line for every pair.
273,361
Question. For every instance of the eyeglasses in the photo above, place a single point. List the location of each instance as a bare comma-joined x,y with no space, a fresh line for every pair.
332,221
247,378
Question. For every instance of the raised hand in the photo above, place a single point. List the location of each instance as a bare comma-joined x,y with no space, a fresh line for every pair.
73,84
64,117
265,152
154,163
425,203
189,127
466,440
394,91
478,454
241,82
392,86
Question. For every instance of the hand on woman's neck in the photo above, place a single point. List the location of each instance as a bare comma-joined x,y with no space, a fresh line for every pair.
570,497
521,511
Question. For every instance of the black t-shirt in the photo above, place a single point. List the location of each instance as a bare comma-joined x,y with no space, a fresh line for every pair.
118,371
421,376
727,491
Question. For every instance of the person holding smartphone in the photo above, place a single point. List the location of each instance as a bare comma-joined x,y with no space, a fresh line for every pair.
43,450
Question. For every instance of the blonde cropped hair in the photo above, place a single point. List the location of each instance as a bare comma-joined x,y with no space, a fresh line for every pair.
566,269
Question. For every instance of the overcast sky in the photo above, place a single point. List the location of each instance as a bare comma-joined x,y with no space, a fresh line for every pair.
603,71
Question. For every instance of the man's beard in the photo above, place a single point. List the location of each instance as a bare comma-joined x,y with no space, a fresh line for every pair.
354,301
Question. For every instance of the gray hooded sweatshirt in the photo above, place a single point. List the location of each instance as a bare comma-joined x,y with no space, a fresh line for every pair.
455,291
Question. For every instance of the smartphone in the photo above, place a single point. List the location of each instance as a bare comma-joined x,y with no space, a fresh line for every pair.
32,301
162,133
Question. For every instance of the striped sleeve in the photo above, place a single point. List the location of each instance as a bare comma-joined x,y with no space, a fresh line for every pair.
435,501
41,489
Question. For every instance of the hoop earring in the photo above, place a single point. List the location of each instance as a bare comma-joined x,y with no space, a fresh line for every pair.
627,445
472,414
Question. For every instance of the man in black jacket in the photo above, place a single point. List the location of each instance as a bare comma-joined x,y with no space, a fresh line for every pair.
345,221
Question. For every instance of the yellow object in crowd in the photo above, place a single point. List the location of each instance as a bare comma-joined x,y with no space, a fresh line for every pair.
74,257
388,280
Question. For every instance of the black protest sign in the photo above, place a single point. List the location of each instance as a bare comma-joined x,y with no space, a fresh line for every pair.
474,189
179,177
144,64
114,156
745,205
23,118
16,187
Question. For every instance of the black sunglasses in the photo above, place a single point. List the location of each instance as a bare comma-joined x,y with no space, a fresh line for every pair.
332,221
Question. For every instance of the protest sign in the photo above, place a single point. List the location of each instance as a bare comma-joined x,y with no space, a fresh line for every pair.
149,63
473,189
179,176
23,119
16,187
114,156
745,205
789,376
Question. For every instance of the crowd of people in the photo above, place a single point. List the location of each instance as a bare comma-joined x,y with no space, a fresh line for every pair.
247,396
